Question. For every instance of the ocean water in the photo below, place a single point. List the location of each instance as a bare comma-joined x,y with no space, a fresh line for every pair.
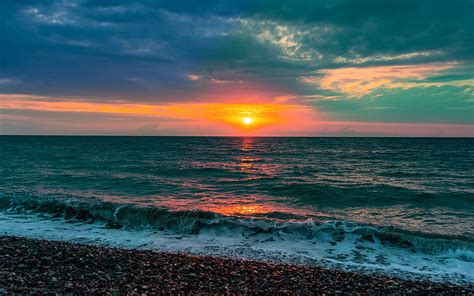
398,206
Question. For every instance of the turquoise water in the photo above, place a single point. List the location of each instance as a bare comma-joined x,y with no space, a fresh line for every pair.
394,205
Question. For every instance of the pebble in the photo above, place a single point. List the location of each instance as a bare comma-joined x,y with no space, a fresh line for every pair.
66,268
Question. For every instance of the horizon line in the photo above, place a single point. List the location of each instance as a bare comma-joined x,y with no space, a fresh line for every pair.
233,136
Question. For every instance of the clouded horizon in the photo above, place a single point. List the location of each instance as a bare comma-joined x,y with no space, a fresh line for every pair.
310,68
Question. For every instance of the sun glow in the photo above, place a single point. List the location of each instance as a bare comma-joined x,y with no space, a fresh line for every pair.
247,120
219,118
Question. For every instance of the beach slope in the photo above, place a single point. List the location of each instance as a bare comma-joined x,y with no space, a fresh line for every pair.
39,266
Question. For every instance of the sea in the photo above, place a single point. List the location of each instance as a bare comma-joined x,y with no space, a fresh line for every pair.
387,206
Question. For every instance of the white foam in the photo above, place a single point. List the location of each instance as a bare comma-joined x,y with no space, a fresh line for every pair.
349,254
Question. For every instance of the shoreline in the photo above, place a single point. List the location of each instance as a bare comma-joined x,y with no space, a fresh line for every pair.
42,266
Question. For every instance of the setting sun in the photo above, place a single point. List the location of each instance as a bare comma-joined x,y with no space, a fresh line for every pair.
220,118
247,120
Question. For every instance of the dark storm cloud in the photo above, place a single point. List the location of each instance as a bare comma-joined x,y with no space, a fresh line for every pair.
146,50
76,47
373,26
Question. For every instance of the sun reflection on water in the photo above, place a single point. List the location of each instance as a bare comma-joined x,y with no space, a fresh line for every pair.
248,144
253,206
249,209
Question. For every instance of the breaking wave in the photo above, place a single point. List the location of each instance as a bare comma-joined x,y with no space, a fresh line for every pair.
343,244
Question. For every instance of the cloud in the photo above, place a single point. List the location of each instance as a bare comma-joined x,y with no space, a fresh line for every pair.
357,82
288,39
385,58
230,114
194,77
301,52
8,81
431,104
90,47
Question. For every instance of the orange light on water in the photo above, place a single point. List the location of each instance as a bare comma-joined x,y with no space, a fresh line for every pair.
250,209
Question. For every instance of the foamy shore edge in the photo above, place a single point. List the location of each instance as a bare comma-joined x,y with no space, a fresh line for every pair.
32,266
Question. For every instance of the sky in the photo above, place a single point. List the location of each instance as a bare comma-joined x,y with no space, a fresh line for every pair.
237,68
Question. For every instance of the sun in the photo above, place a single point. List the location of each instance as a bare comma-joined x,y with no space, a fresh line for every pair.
247,120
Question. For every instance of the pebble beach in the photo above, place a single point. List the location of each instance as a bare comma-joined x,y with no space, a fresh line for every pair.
29,266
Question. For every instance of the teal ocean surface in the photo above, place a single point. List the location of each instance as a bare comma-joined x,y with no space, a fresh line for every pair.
401,206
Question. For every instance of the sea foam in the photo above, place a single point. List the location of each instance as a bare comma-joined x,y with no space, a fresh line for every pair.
334,244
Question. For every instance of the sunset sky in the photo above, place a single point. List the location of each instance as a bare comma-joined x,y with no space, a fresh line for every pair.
276,68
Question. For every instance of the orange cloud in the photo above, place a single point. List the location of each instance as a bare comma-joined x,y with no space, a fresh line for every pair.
358,81
244,117
195,119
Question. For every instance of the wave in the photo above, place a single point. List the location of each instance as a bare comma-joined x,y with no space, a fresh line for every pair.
275,225
324,195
